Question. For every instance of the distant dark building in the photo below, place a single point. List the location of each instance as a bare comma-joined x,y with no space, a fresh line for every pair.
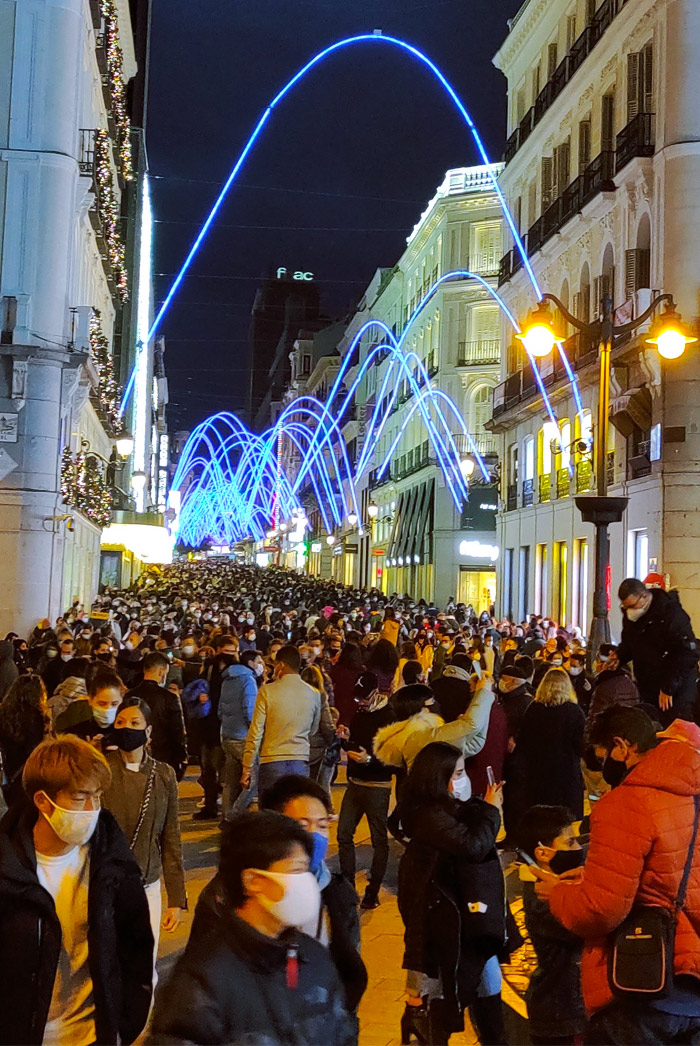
284,303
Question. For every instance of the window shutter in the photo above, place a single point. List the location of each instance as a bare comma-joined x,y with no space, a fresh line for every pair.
632,85
590,11
602,288
564,165
577,307
584,145
630,273
607,133
546,182
532,202
570,32
647,79
585,302
551,60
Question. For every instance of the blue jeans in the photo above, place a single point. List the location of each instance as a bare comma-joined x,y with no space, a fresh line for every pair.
268,773
634,1024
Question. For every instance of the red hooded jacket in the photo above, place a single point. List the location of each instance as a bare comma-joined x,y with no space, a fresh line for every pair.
640,834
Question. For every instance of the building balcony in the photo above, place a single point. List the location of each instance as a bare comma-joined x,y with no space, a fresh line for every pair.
485,443
478,353
636,139
563,73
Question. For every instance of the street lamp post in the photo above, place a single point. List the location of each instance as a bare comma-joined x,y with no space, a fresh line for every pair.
539,337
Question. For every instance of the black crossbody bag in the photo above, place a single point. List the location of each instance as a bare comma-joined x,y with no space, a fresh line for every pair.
640,960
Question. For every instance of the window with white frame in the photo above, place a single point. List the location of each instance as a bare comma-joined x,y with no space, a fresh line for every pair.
486,247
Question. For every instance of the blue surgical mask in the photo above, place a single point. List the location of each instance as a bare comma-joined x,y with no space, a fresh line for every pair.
320,849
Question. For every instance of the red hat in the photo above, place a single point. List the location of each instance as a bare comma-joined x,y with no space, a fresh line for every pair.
655,581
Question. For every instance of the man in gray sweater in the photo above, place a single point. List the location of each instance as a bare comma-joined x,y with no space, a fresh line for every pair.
286,715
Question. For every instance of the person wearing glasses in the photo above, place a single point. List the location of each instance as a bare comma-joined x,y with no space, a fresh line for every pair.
659,642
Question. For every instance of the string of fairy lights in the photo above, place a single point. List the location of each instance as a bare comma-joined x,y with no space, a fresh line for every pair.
108,389
117,87
108,213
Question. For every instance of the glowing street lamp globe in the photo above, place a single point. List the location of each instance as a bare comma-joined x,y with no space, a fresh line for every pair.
330,540
352,518
670,334
372,510
467,466
539,336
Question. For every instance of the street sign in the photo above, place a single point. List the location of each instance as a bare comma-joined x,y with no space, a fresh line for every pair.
378,551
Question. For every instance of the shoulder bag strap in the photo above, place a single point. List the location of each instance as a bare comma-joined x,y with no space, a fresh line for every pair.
144,804
689,860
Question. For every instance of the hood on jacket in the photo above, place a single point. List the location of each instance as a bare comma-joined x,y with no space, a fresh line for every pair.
674,765
390,741
237,672
7,650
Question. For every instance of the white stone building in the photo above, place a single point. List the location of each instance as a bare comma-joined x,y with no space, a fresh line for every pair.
65,164
603,177
419,541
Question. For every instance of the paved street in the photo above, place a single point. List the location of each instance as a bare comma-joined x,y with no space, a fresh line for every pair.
382,929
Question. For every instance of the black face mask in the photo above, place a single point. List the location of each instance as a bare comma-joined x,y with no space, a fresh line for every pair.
105,657
128,739
566,860
614,772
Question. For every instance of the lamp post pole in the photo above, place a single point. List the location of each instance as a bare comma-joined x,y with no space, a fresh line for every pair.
599,509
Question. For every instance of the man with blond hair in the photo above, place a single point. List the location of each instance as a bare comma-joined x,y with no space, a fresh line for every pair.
76,949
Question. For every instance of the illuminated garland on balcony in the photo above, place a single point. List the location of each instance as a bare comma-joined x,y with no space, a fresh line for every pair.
117,88
108,212
108,391
83,487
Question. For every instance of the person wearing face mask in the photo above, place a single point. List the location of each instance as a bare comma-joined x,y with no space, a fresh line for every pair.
452,901
580,681
239,691
105,690
642,833
130,660
338,927
659,642
248,975
142,796
75,939
368,792
72,694
168,741
613,685
555,1009
287,714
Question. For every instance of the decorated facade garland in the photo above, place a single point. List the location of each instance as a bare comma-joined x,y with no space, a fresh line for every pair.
108,212
84,488
108,391
117,87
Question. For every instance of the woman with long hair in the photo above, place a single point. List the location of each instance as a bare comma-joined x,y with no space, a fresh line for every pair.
452,901
550,744
407,652
24,723
344,674
383,662
142,796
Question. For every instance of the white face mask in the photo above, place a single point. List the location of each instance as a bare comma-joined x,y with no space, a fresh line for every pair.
259,669
462,788
188,650
575,671
301,901
73,827
557,662
104,716
634,613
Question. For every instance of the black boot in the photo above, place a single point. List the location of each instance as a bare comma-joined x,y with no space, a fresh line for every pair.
415,1021
487,1015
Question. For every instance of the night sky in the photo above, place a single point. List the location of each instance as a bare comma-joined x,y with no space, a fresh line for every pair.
341,174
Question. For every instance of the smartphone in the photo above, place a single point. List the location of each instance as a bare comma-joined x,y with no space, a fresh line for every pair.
527,859
491,776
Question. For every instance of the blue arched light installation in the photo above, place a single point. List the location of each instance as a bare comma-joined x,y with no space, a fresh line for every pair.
373,38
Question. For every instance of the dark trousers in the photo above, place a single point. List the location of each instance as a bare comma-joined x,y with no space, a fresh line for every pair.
637,1024
373,803
211,767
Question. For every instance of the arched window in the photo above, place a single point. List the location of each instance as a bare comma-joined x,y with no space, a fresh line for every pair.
481,408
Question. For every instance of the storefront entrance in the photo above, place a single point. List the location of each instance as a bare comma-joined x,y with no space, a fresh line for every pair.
477,587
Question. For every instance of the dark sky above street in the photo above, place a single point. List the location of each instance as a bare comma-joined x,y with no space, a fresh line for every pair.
338,179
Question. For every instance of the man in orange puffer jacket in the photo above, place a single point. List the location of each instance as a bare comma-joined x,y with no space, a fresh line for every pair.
640,835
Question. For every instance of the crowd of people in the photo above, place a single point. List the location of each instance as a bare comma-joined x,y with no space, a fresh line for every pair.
471,741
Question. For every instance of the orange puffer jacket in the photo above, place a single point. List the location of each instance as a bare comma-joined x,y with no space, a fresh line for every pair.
640,834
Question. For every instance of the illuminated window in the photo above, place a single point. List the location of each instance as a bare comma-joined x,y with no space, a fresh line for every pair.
561,567
541,579
579,580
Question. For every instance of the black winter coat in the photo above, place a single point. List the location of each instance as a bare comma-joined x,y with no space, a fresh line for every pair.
231,986
120,942
340,901
546,764
664,654
168,738
450,867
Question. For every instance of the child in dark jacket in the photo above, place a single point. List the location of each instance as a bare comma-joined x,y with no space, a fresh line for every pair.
554,999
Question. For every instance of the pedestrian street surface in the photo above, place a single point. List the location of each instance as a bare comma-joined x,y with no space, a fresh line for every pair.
382,929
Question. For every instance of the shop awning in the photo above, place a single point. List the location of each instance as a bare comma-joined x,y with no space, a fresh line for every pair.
414,513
